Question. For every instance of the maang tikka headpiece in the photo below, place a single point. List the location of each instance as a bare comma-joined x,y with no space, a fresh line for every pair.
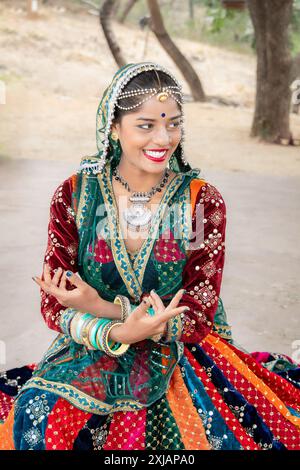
109,148
162,93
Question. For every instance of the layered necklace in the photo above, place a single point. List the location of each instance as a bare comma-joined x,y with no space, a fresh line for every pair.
138,217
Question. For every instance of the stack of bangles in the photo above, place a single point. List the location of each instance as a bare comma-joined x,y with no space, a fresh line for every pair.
93,332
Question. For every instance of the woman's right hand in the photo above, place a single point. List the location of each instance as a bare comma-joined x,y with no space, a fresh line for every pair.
140,325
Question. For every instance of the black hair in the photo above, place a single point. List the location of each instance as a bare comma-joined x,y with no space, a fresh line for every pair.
143,80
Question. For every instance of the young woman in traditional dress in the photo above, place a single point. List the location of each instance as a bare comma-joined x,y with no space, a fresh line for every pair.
131,281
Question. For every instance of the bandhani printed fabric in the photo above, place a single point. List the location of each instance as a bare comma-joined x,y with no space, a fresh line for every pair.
220,405
210,394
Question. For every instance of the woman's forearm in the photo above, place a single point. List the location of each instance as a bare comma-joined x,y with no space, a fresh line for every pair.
106,309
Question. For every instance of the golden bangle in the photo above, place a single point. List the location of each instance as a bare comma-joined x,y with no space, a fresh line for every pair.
86,333
122,349
125,306
81,325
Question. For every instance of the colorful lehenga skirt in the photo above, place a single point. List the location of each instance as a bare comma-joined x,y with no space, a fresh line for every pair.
219,398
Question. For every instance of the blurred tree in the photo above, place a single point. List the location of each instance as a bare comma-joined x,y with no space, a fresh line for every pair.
188,72
116,7
129,5
271,20
234,4
107,11
191,9
32,8
296,29
90,4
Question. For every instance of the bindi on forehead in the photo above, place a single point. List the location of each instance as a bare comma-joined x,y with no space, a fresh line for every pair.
162,115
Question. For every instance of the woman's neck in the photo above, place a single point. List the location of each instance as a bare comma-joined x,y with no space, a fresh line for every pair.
138,179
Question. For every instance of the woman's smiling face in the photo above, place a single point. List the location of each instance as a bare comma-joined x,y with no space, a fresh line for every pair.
150,136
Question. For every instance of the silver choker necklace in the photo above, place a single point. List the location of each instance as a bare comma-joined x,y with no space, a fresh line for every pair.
138,217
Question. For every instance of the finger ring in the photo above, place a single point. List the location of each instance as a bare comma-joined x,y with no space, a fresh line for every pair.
151,311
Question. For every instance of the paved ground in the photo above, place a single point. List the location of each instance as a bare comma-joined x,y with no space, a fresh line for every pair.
261,279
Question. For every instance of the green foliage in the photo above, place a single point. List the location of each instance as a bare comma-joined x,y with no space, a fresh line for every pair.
295,28
212,23
222,20
218,17
227,28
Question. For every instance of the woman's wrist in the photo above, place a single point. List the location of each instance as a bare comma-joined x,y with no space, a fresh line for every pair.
118,334
106,309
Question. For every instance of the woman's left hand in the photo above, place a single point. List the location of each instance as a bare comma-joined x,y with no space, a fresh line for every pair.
84,298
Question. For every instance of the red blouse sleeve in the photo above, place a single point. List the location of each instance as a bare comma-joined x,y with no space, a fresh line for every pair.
202,274
62,248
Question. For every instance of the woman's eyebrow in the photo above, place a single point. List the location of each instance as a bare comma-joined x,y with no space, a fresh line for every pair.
153,120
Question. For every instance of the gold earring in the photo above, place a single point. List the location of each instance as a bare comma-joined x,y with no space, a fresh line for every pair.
114,136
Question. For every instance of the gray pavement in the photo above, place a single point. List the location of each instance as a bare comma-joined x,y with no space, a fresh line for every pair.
261,278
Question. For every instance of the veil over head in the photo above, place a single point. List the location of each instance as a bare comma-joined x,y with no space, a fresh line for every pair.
109,149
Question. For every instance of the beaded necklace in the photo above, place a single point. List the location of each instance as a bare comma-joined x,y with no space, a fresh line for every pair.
138,217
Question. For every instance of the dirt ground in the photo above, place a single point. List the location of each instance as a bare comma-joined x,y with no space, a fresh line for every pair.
55,69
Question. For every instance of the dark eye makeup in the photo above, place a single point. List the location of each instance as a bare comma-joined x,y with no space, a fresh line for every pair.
177,124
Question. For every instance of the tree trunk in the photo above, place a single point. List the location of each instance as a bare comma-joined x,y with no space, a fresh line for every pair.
271,19
106,13
116,7
32,8
158,28
191,9
130,4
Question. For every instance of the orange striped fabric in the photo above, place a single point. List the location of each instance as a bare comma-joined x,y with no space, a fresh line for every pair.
186,417
195,186
249,375
6,432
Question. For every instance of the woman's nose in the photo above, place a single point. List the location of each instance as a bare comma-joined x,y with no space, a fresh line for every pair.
162,137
